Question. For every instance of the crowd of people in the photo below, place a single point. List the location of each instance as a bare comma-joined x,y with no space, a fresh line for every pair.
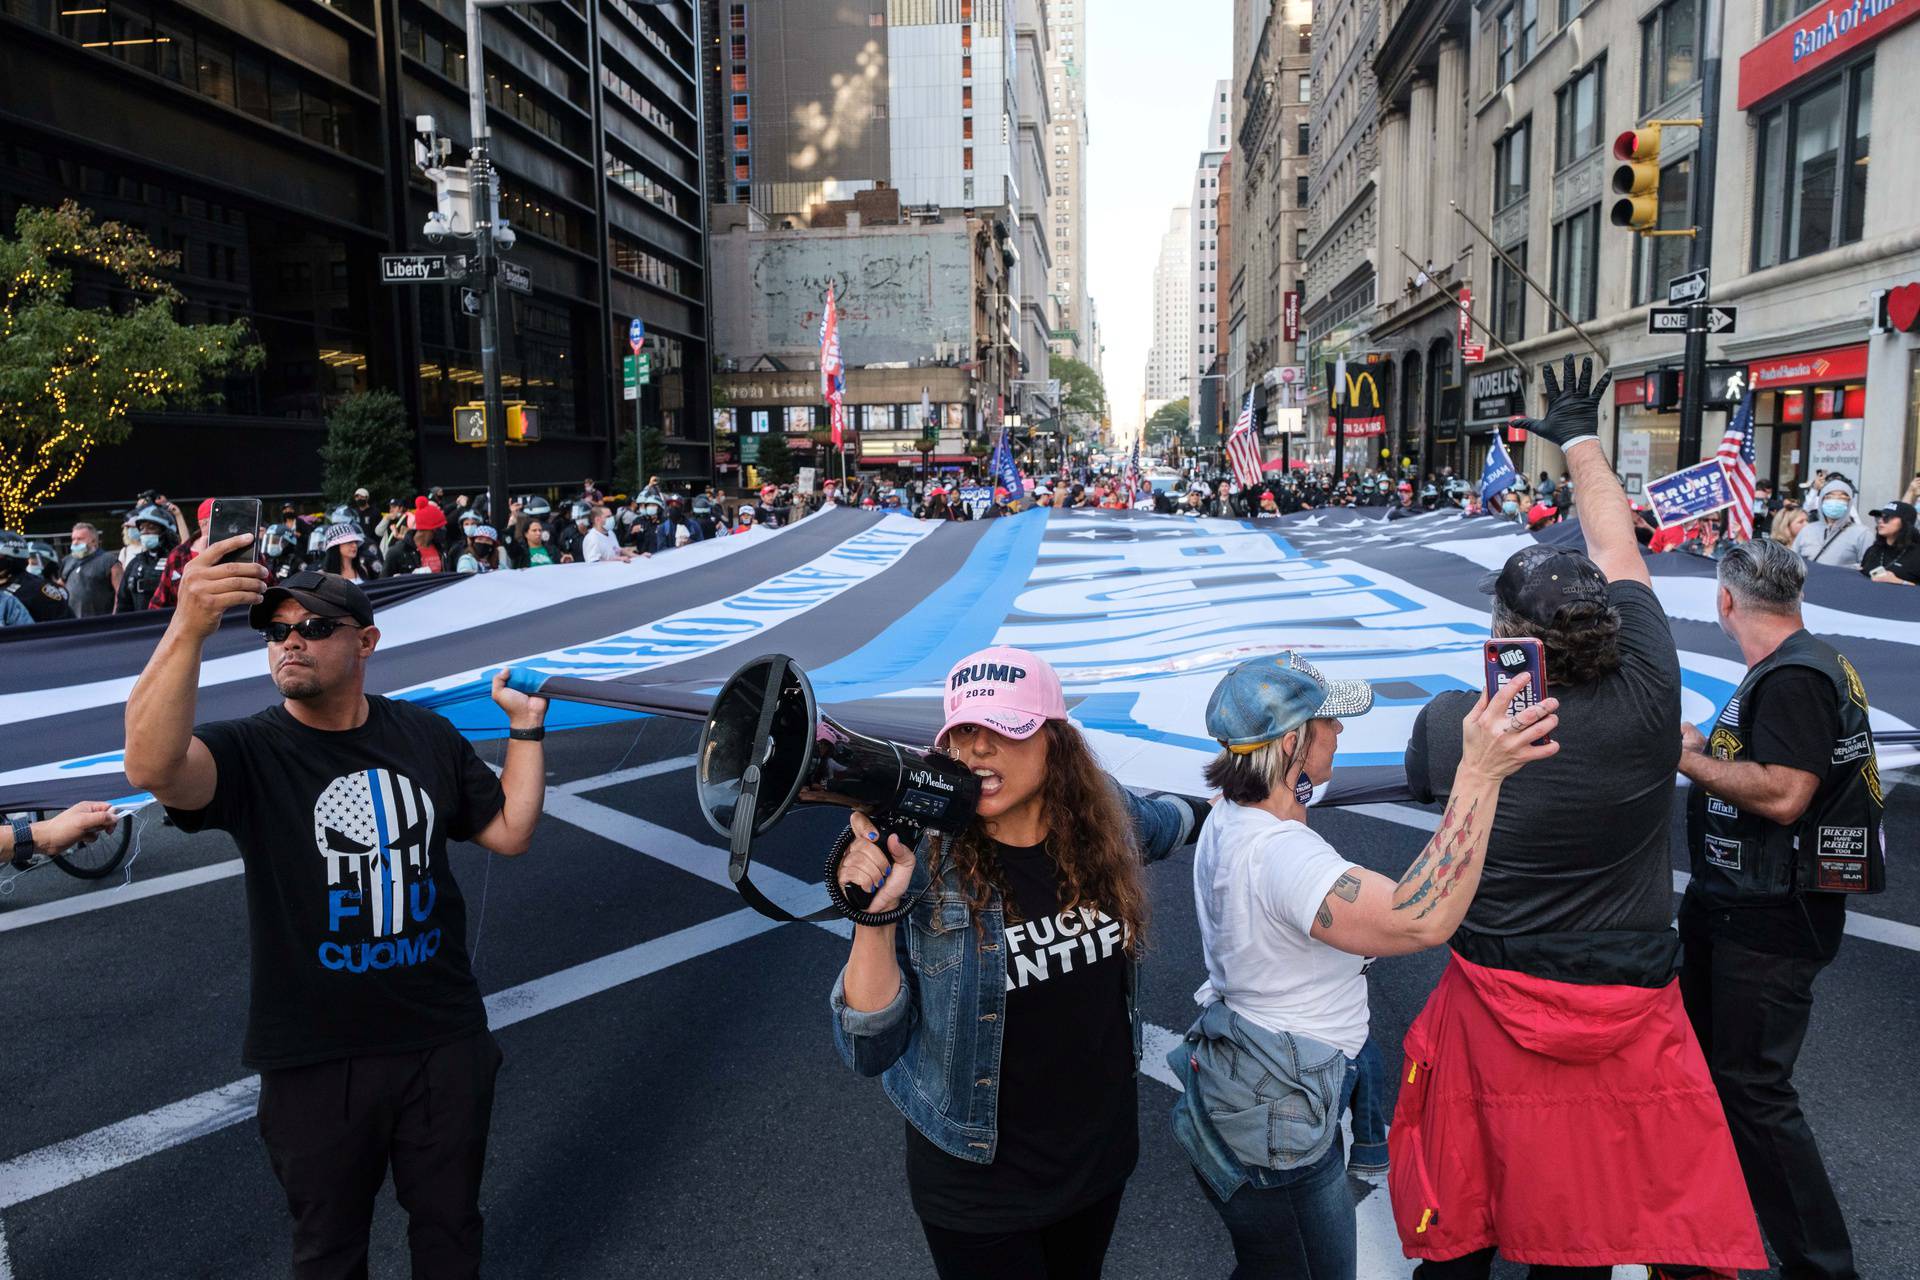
1587,1086
438,533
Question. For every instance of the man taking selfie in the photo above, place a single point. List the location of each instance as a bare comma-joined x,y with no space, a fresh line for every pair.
364,1020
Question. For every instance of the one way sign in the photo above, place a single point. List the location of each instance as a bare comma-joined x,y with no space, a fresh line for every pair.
1718,320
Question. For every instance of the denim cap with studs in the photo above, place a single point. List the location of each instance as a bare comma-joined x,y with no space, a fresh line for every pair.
1262,700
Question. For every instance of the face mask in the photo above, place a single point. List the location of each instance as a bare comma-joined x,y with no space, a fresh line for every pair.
151,541
1511,508
1835,508
79,548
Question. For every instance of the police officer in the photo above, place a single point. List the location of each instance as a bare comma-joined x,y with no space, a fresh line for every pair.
144,573
1784,821
42,600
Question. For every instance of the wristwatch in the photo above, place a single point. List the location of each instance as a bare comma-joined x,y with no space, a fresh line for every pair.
23,849
527,735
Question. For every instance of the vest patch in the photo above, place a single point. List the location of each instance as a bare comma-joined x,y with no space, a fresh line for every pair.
1723,853
1720,808
1725,744
1853,748
1871,772
1840,859
1855,690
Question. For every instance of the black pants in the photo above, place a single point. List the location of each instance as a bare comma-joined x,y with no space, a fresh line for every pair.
334,1129
1750,1011
1478,1266
1074,1248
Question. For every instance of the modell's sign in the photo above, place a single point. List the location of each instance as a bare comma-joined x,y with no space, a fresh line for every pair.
1817,38
1290,316
1495,395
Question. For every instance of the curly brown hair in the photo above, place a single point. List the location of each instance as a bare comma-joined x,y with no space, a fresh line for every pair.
1582,640
1089,837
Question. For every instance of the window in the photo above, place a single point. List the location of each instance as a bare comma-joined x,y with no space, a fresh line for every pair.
1577,112
1570,9
1511,168
1668,40
1515,30
1576,250
1780,11
1300,184
1812,170
966,158
966,97
1304,143
1659,259
1510,295
1300,244
1306,88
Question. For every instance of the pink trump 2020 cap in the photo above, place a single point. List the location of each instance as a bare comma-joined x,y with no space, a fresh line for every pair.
1010,691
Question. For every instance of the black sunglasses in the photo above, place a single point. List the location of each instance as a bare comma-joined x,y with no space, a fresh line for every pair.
309,629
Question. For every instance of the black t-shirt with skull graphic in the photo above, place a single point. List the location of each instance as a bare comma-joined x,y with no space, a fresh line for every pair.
358,930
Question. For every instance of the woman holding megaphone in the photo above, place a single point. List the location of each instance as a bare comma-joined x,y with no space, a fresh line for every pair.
1002,1013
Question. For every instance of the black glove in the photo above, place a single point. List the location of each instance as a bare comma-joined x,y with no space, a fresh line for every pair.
1573,412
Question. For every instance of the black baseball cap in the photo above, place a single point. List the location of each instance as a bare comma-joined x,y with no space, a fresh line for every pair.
1537,582
325,595
1902,509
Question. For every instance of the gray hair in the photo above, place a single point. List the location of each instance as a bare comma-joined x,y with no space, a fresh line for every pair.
88,526
1764,575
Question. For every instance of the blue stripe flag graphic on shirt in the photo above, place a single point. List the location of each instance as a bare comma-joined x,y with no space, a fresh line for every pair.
1140,614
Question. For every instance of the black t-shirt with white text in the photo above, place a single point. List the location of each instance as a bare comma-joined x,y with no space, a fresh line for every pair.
358,930
1069,1110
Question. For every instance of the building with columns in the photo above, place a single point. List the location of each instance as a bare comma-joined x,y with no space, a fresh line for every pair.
1272,101
1423,246
1342,234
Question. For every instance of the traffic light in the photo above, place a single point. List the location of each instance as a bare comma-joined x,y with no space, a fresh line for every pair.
1636,179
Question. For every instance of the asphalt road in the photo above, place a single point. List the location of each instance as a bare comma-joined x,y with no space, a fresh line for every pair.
671,1104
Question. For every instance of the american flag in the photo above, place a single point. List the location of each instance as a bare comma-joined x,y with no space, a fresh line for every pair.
1133,472
833,373
1243,449
1736,456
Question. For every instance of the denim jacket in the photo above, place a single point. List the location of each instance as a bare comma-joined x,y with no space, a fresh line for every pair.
1254,1100
936,1047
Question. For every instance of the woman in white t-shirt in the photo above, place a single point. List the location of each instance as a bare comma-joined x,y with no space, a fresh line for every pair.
1288,928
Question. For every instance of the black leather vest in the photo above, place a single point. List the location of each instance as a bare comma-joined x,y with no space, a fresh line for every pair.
1837,846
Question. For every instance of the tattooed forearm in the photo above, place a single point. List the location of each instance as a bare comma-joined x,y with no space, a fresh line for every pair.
1441,864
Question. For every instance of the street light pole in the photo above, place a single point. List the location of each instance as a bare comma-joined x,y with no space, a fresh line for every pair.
485,194
1706,155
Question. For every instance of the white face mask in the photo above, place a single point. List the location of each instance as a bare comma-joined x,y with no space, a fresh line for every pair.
151,541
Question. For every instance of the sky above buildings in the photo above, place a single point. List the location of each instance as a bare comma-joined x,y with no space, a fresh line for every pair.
1151,66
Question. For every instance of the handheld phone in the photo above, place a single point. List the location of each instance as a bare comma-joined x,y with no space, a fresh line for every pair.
1507,659
230,518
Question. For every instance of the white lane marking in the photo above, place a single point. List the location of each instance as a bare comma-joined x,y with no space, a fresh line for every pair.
1859,923
1157,1042
620,777
60,1165
6,1256
62,908
683,853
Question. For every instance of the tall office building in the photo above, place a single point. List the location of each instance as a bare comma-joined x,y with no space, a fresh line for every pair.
1170,353
1341,233
1272,55
1203,254
1067,156
1033,272
270,144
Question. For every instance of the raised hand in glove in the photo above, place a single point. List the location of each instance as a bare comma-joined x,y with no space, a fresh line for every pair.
1573,410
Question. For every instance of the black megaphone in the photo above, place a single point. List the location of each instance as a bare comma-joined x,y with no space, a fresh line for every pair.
767,745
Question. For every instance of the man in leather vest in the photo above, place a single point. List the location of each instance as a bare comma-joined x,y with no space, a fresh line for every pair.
1783,822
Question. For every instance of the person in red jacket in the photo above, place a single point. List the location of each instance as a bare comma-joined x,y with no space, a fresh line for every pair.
167,594
1554,1103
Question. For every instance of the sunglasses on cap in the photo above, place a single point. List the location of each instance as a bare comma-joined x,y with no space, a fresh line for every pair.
309,629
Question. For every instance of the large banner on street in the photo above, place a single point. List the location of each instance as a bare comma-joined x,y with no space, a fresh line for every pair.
1139,613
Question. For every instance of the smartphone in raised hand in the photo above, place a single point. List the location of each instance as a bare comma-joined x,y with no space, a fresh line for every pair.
230,518
1507,659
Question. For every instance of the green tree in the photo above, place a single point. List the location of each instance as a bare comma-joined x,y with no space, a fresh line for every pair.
1082,392
368,443
1169,422
72,377
776,458
627,463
